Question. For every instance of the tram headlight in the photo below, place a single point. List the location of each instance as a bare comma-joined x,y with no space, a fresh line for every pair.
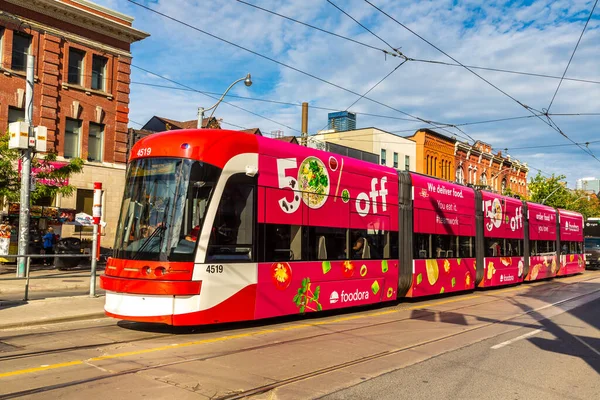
160,271
146,270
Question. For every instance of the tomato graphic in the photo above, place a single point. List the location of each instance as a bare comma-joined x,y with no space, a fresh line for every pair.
281,274
348,269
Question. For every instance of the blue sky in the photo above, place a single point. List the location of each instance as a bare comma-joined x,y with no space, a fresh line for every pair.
530,36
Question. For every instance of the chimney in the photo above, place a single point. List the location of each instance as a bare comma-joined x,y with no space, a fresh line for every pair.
304,124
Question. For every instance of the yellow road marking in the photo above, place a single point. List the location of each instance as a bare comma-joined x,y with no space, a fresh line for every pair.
256,333
41,368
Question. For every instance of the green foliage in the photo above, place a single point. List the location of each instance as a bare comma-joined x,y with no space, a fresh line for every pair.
10,181
557,195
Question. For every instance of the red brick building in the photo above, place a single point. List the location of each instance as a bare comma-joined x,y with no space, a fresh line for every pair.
81,93
477,165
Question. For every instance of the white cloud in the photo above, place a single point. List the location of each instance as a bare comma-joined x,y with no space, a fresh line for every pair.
537,38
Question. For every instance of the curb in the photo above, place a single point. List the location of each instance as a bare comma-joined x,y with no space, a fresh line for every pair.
82,317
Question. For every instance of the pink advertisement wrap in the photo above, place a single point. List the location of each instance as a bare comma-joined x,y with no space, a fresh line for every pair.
571,226
311,187
571,264
541,267
442,208
499,271
435,276
503,217
542,222
299,287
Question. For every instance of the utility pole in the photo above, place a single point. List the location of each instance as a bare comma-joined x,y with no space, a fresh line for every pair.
26,170
304,138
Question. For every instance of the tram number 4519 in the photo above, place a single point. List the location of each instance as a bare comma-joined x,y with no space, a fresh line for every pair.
214,269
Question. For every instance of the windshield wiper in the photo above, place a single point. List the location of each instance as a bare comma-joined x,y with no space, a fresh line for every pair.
159,229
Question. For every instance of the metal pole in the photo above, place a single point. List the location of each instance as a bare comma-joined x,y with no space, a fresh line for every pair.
94,262
304,123
26,171
27,281
200,117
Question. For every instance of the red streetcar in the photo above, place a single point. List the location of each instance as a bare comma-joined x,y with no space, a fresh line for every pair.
219,226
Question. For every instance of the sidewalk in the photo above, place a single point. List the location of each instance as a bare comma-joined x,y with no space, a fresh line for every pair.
50,311
65,296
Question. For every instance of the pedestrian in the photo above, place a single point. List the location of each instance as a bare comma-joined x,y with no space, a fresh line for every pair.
49,240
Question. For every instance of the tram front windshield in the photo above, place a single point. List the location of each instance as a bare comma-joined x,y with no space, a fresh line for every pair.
164,207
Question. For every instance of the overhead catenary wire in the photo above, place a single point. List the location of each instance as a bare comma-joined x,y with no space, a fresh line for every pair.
549,121
213,97
428,122
572,55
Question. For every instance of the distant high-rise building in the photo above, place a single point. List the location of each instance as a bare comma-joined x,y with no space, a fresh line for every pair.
589,184
342,121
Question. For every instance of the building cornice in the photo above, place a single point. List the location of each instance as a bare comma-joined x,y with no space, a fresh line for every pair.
85,19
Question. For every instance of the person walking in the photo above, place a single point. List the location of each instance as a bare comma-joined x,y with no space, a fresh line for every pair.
49,239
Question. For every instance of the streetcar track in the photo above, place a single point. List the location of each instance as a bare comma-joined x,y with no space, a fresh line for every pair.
268,387
398,308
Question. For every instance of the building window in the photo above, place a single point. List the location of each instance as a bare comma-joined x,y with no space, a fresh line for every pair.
16,114
95,142
76,66
20,50
72,133
99,73
382,156
395,160
84,204
483,179
406,163
1,47
460,175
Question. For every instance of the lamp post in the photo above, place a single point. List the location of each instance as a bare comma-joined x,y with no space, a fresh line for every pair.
554,191
201,110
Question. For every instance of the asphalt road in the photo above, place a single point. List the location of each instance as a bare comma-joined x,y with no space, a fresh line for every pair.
558,359
434,348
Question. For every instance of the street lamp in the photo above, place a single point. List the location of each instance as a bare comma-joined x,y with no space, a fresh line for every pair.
247,81
554,191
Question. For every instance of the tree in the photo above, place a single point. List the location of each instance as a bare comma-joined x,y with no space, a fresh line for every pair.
10,180
551,191
557,195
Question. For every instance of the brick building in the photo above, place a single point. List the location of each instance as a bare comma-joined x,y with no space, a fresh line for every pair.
435,154
81,94
477,165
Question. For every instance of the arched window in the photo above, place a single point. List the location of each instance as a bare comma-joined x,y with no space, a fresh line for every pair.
503,187
460,176
483,179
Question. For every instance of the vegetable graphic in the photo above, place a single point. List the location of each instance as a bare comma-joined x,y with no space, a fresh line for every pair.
305,297
446,266
345,195
390,292
384,266
490,270
326,265
442,290
333,164
453,282
506,261
348,269
419,279
363,270
375,287
467,280
313,181
520,268
553,266
571,257
281,275
535,271
458,260
433,271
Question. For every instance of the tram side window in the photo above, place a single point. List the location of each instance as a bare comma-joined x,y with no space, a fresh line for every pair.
369,245
442,246
514,247
394,245
281,242
571,248
232,233
494,247
538,247
327,243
